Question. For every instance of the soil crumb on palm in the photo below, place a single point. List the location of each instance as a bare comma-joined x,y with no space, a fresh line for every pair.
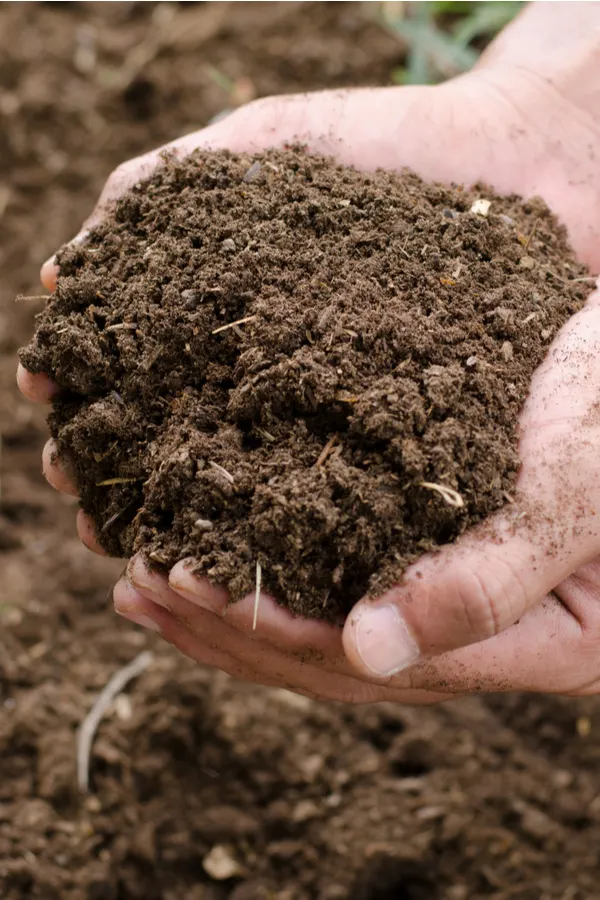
277,359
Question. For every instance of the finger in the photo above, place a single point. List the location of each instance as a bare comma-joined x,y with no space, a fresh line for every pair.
268,622
49,274
212,597
150,582
87,533
186,642
140,609
38,388
465,594
123,178
478,587
264,665
308,640
129,604
268,664
209,627
54,471
197,633
543,652
202,636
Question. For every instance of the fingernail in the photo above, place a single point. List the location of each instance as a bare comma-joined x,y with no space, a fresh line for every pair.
212,598
144,582
144,621
383,640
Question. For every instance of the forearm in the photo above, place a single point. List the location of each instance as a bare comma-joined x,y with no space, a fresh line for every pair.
558,43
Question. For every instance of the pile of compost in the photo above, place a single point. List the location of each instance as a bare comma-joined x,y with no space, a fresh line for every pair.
274,359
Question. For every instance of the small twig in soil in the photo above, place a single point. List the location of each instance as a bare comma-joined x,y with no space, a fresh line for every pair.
311,396
265,434
227,475
231,324
346,397
531,236
528,318
152,359
451,496
113,519
43,297
109,481
91,722
325,452
585,278
257,594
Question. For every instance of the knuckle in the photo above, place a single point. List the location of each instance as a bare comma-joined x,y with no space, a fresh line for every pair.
489,600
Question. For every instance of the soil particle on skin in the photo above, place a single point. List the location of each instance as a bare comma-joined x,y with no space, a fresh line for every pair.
278,359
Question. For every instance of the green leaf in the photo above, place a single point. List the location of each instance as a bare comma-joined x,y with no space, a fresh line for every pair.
430,45
452,7
400,75
486,20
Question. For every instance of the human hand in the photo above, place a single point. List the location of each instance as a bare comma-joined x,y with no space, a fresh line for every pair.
486,581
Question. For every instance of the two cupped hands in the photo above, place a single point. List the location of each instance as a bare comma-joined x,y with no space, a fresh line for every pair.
514,605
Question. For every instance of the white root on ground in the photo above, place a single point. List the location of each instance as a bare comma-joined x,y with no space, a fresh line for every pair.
89,726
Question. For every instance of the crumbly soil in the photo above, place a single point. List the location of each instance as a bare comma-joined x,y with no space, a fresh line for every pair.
386,335
483,799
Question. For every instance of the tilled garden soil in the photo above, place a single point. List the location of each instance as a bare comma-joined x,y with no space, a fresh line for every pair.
193,775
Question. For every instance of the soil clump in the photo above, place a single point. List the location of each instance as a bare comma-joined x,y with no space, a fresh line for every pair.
277,359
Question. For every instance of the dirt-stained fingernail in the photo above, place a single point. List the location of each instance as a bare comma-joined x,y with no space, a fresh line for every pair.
198,590
138,574
149,584
139,619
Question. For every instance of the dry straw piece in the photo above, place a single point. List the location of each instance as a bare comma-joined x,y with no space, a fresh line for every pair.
451,496
257,595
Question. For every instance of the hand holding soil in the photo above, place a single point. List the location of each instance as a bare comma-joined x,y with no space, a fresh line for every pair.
477,615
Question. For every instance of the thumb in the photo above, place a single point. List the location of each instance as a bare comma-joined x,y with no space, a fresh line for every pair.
476,588
465,594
